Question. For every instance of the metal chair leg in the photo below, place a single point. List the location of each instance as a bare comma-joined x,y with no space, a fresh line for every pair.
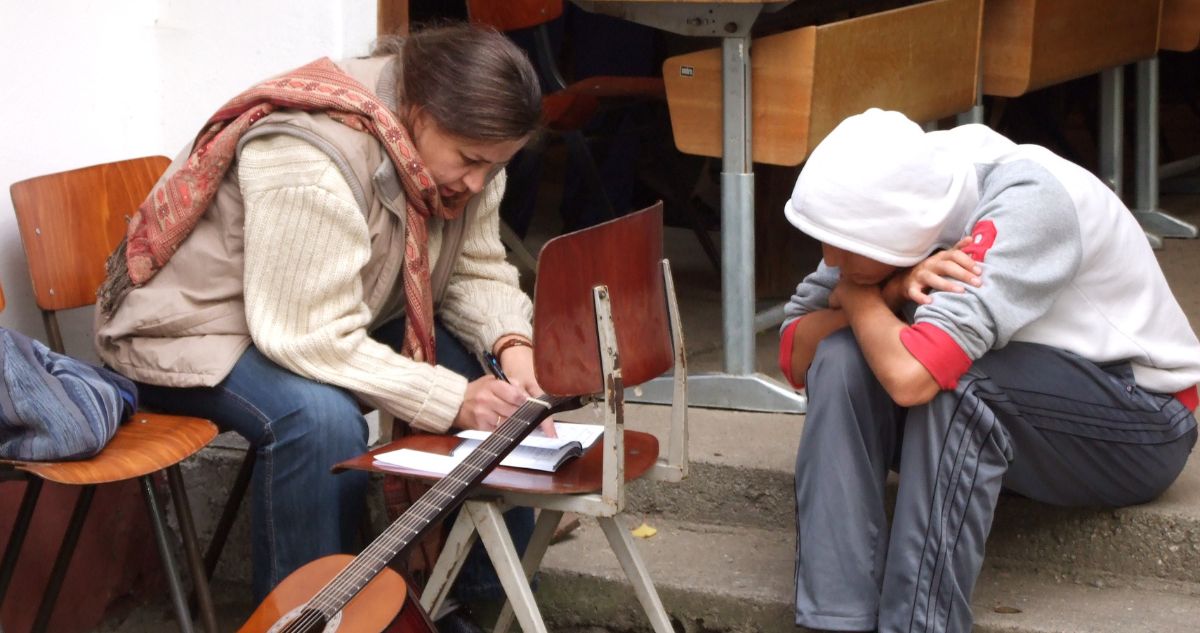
489,521
63,561
240,484
191,548
178,597
539,542
16,538
454,553
635,570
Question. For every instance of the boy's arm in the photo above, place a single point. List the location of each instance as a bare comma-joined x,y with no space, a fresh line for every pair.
809,317
878,331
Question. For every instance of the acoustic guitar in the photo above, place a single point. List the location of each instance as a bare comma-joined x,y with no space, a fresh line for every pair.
359,594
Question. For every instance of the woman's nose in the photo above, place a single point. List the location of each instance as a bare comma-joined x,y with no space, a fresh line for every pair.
475,178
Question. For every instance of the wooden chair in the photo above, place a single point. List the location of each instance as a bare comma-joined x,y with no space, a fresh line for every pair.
69,223
605,318
567,107
921,60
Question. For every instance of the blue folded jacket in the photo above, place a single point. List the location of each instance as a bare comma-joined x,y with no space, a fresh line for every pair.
54,407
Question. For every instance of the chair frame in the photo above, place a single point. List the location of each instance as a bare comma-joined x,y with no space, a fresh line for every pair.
35,473
482,516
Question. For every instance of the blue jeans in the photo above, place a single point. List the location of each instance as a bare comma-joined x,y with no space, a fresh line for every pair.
299,429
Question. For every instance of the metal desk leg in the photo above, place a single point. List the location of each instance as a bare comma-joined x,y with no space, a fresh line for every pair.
1155,223
739,387
1112,87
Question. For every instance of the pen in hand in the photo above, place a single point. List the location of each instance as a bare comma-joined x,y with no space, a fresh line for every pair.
493,365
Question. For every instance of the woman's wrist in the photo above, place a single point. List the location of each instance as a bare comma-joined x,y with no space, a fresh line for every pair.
510,342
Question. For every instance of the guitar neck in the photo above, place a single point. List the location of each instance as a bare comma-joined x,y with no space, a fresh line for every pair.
436,503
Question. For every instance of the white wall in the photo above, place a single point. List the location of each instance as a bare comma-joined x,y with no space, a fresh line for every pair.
90,81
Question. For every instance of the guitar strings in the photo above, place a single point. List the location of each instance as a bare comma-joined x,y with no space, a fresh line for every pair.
342,587
420,514
351,580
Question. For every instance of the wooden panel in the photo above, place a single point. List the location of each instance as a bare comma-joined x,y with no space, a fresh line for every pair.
148,443
391,17
1030,44
921,60
511,15
577,476
72,220
1180,26
624,254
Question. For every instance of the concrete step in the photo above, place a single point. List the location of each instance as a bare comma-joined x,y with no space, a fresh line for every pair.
742,466
741,475
722,578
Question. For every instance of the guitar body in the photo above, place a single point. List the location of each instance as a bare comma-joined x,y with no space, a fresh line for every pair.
384,601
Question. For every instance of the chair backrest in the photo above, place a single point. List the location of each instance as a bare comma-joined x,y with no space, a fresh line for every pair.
625,255
71,221
511,15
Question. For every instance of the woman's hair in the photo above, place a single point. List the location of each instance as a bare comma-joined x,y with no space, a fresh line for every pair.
471,79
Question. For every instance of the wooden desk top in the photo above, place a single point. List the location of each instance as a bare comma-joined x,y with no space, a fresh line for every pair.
579,475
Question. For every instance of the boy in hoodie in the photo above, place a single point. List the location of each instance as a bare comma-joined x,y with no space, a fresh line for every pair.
986,315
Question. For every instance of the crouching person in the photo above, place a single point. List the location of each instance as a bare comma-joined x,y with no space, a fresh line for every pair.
987,315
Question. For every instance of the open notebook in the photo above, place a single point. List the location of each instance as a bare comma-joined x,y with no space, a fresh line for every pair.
535,452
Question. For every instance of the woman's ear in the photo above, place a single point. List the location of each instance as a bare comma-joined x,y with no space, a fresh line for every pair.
413,116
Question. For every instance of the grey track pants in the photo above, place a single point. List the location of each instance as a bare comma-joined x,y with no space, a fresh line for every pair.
1033,419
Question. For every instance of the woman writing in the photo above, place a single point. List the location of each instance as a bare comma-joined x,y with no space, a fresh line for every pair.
330,239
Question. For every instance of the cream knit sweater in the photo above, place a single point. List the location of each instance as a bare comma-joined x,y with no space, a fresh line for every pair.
306,244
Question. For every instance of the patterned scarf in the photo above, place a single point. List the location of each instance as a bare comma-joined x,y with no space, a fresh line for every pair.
171,211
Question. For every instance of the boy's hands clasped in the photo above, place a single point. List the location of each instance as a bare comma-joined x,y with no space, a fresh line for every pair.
945,270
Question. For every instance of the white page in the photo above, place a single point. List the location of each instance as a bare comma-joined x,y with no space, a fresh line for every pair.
420,460
585,434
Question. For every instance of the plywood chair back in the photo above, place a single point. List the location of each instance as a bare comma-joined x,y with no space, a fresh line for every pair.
69,223
1031,44
624,257
1179,29
921,60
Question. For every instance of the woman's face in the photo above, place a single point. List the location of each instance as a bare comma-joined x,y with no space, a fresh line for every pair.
857,268
460,166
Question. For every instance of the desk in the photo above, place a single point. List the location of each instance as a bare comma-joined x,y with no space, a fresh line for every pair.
738,387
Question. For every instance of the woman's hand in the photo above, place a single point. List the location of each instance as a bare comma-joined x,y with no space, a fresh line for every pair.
946,270
517,362
487,403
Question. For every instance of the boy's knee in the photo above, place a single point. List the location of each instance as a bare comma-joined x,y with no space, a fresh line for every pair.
839,358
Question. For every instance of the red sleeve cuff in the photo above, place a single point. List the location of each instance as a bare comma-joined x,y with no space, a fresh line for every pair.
934,349
1189,397
785,354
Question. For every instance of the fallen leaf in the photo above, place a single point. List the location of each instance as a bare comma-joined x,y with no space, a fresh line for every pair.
1006,610
644,531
